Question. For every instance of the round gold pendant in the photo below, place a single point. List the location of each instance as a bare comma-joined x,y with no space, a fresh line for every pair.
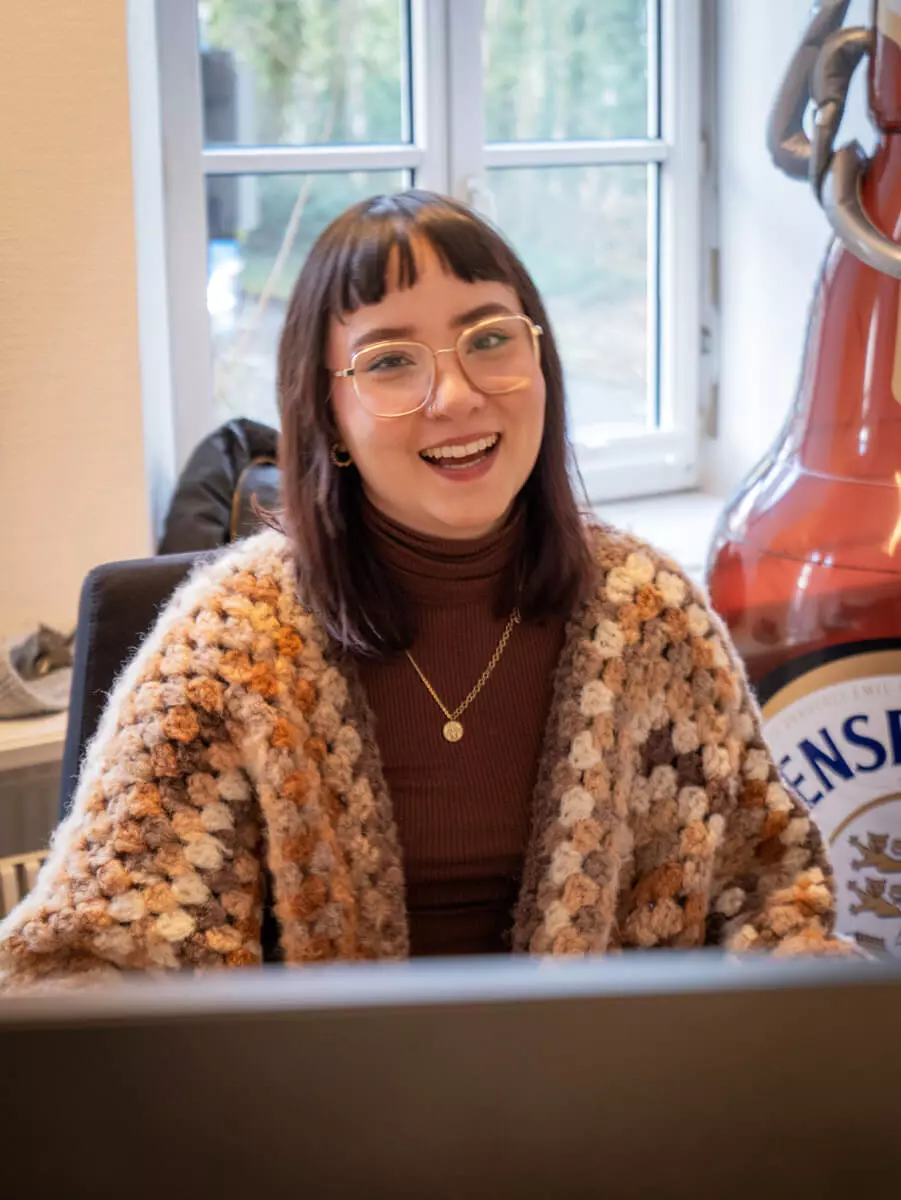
453,731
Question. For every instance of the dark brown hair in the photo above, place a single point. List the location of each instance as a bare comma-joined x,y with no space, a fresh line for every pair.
340,575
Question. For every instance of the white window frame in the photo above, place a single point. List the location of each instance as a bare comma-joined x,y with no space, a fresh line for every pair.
447,154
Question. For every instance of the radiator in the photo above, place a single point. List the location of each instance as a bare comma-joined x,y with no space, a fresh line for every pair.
29,797
17,877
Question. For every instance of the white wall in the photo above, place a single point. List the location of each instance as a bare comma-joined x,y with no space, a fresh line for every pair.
772,233
72,474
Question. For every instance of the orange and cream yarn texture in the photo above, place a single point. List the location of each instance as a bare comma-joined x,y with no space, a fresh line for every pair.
240,738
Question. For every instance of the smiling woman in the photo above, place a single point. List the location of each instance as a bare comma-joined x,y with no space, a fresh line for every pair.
434,711
428,341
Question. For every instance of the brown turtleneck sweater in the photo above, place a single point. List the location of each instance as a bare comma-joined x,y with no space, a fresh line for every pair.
463,810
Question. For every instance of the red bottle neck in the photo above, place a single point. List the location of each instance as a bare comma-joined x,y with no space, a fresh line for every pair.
847,417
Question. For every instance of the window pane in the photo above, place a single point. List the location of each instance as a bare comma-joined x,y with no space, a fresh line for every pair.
260,230
560,69
591,262
307,72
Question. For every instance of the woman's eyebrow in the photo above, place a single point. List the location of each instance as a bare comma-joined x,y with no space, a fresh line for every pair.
393,333
383,333
493,309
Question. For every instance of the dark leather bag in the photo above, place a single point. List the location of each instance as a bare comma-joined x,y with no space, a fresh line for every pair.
213,503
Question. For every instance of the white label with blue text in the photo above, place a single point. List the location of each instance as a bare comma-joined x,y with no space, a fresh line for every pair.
835,733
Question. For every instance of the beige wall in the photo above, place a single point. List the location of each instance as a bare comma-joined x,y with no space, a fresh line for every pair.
72,483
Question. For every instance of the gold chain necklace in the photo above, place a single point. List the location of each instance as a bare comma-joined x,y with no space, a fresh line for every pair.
453,730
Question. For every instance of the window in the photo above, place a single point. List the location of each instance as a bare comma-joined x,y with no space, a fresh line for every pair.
573,124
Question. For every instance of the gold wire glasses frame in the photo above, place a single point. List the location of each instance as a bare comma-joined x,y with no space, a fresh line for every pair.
480,377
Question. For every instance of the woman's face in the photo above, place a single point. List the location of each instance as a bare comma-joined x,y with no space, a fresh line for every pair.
410,465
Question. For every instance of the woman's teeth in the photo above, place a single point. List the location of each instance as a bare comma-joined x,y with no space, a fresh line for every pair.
443,455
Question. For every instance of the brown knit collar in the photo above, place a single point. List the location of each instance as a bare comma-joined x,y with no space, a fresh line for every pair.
445,571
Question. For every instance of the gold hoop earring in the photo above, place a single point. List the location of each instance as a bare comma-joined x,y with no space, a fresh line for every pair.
340,456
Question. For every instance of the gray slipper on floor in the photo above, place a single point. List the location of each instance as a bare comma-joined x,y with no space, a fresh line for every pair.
29,697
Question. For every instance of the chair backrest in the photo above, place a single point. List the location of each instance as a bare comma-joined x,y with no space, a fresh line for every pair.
17,877
119,606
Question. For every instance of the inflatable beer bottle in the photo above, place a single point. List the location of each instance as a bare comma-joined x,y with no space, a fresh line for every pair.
806,562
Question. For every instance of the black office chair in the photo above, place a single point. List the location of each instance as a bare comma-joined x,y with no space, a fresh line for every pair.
119,604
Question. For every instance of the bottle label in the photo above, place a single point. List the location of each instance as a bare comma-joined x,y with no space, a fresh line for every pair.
833,723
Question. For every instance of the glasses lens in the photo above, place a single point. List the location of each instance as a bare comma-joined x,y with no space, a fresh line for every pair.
393,378
499,355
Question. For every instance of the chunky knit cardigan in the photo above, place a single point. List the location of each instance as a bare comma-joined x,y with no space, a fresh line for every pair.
240,738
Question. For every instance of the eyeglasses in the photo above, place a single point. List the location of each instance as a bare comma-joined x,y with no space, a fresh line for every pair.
395,379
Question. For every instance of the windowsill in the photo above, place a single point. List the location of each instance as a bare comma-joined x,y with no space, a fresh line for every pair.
32,740
681,524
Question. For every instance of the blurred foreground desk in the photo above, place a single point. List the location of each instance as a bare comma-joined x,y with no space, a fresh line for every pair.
644,1075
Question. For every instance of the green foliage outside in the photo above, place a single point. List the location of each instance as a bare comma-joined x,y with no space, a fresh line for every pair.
323,71
565,69
330,71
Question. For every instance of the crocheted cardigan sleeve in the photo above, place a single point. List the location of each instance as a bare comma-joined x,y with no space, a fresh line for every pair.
772,885
723,854
158,864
